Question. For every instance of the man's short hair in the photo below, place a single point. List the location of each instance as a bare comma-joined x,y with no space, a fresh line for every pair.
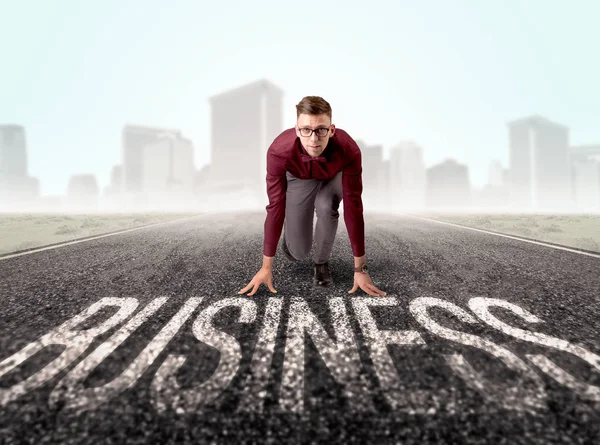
313,105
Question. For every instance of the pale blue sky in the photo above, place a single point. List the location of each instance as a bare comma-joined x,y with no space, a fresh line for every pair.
447,74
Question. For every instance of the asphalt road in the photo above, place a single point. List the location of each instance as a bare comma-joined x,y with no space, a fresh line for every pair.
142,337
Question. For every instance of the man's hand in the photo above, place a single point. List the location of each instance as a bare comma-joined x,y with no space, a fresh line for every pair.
264,275
363,280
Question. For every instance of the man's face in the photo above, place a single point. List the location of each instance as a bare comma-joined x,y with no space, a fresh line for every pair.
313,144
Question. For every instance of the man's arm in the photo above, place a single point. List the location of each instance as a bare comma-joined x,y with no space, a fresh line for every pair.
276,189
353,208
353,216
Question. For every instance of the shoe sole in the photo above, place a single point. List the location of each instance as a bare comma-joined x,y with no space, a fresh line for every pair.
316,282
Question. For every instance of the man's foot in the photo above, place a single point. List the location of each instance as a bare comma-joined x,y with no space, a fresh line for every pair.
285,249
322,275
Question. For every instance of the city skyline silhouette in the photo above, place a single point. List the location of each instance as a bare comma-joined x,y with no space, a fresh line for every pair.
157,169
449,82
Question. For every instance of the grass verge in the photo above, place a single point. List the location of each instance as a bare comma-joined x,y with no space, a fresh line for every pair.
580,231
26,231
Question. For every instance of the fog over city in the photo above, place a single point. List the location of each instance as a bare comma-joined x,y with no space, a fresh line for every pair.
136,106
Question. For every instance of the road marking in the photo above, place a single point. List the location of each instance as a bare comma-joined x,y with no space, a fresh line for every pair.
541,243
76,342
71,390
118,232
480,306
528,394
166,390
340,354
256,386
396,393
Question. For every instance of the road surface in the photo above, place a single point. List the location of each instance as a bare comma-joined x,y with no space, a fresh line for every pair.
142,337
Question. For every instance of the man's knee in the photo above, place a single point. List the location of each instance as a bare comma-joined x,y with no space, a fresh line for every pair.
298,246
300,251
327,206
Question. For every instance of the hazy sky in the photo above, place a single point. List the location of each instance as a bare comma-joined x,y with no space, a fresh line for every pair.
447,74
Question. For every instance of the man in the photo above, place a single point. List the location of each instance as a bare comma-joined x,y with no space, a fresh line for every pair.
311,168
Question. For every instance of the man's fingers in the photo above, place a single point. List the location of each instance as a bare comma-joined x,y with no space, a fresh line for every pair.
376,291
256,286
381,292
369,288
246,288
368,291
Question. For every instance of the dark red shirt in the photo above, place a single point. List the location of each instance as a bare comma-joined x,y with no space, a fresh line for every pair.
286,153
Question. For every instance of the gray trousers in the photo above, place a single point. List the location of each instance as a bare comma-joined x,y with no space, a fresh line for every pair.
304,198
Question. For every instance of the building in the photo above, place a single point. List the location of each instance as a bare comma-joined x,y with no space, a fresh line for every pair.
589,151
407,182
495,174
585,169
540,172
116,179
13,152
374,176
158,167
448,185
18,190
116,182
495,194
82,193
113,192
244,123
168,172
134,139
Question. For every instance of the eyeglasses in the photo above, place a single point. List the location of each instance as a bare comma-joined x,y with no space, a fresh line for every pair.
321,132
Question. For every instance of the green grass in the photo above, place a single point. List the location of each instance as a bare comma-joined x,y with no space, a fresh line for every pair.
25,231
573,230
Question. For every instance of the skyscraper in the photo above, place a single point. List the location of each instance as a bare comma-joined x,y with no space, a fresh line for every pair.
373,179
112,196
448,185
13,152
244,122
17,188
134,139
116,178
158,166
539,164
587,151
168,171
495,174
585,169
407,177
82,193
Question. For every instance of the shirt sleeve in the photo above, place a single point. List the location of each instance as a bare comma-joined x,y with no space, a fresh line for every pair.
276,189
353,207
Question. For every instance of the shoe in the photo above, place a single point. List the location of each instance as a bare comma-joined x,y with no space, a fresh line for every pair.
322,275
285,249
